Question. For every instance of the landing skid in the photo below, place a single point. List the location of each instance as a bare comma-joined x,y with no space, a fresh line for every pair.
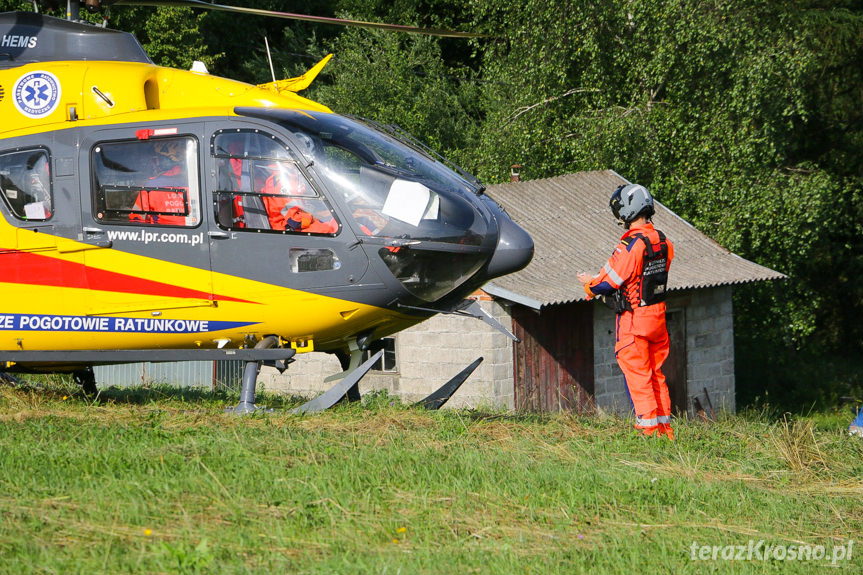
80,361
348,388
444,392
250,377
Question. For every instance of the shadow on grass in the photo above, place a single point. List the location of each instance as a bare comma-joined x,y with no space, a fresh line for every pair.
63,386
165,392
199,396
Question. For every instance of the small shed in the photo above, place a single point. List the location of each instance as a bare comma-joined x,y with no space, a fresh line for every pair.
565,360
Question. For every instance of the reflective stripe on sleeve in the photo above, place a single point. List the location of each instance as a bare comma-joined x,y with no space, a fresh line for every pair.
612,274
664,419
646,422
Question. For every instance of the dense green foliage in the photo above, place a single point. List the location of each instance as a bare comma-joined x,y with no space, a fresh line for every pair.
745,117
163,481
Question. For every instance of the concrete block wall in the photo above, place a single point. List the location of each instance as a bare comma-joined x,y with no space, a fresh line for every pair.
709,351
710,347
609,390
427,355
432,352
304,377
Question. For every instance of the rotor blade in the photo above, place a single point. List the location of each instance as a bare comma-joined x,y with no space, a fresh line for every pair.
469,308
303,17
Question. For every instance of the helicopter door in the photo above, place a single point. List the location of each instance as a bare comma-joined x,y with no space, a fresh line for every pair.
275,226
143,219
33,267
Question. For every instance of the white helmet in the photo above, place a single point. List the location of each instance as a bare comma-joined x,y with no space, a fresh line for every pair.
630,201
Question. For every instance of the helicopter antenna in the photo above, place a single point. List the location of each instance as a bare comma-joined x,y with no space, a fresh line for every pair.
35,6
270,58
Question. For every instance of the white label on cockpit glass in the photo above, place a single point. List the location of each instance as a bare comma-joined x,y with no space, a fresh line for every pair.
407,201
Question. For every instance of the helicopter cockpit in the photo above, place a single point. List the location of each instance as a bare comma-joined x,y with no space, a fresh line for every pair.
419,213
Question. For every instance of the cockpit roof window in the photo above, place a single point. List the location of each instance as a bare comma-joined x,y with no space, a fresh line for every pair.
251,144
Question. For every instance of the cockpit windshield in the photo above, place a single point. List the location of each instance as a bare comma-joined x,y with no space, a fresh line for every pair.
391,189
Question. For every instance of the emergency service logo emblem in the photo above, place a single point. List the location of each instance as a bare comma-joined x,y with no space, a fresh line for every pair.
37,94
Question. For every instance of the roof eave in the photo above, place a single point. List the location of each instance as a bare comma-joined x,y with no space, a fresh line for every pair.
499,292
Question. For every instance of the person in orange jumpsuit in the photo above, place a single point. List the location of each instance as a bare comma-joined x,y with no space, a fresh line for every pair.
285,194
173,181
636,277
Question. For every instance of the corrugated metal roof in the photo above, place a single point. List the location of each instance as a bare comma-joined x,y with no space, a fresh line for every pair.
573,230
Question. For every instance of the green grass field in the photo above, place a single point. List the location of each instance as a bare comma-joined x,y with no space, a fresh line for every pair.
162,481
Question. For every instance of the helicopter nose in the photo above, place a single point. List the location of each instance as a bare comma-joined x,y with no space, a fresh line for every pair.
514,249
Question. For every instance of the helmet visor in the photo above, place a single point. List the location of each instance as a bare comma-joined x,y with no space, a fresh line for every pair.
614,202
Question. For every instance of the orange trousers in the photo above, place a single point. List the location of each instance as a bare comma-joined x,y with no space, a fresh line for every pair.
641,349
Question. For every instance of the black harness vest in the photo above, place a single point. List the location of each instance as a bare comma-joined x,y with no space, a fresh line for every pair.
654,274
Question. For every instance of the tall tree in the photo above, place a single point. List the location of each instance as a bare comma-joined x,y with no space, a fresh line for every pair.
171,36
401,79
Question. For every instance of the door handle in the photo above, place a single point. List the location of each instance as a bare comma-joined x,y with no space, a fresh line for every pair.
219,235
95,242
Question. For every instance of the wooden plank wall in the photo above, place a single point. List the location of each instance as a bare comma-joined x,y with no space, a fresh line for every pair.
554,361
675,366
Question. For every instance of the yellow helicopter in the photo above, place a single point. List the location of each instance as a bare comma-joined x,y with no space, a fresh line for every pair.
156,214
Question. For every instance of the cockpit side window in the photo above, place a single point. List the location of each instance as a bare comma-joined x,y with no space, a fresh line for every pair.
25,184
261,187
150,182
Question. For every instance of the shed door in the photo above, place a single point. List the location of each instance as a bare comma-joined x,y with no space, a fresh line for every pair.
675,366
554,361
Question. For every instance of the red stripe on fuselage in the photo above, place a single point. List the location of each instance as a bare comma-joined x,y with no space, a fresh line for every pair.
35,269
